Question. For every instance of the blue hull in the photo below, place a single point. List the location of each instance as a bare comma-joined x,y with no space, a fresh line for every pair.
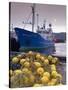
33,41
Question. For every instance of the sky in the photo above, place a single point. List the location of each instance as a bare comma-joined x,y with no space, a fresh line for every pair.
54,14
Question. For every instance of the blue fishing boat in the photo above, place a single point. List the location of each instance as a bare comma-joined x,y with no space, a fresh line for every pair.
41,41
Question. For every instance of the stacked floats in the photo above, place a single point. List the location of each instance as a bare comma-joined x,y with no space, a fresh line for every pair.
33,70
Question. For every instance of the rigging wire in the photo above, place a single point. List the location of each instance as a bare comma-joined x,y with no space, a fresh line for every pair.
27,20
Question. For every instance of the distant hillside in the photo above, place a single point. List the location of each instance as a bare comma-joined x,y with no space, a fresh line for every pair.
60,37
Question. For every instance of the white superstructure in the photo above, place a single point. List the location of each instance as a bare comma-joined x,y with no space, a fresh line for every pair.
45,33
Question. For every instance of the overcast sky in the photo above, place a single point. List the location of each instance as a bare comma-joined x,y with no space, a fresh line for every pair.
54,14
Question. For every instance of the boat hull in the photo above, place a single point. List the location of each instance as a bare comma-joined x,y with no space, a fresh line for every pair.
33,41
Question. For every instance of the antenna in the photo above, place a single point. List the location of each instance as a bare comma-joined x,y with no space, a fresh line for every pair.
44,24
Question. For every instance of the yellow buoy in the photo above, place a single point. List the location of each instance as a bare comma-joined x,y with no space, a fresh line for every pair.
26,64
11,72
46,74
44,80
54,74
38,56
17,72
40,71
15,60
22,61
46,61
37,64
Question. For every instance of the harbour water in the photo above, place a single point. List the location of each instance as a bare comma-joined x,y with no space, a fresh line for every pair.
60,49
61,52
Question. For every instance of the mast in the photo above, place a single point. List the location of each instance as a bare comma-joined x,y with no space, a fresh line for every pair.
37,20
33,17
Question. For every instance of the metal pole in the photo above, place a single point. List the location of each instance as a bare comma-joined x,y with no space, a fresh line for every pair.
33,17
37,20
